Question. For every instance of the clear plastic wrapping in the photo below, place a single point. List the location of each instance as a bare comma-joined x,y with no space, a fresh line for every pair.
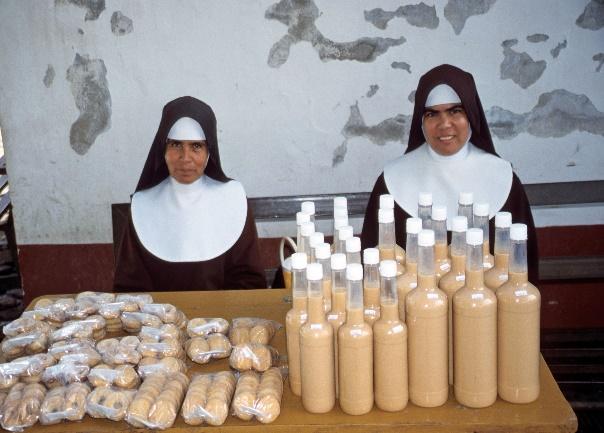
27,369
21,407
121,376
200,326
75,346
81,309
71,330
208,398
134,321
95,297
168,331
168,313
109,402
113,310
117,351
64,373
53,310
202,349
161,349
253,356
25,344
24,325
140,298
169,365
258,395
252,330
65,403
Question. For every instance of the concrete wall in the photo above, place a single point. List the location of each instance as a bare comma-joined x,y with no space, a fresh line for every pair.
311,96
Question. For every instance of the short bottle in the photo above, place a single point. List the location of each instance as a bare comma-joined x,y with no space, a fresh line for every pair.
355,349
442,262
337,316
371,285
498,274
424,209
309,208
344,233
390,346
316,349
475,332
408,280
481,221
427,331
519,306
323,256
465,207
353,250
294,320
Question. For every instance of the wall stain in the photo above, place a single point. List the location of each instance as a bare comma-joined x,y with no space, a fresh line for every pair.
520,67
537,37
592,17
120,24
372,90
555,52
299,16
458,11
91,95
600,59
94,8
49,76
411,97
419,15
401,65
80,31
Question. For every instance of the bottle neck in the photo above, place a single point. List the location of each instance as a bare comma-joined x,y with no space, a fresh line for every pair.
299,303
502,261
389,310
353,257
315,305
440,251
466,210
458,243
425,262
502,240
371,275
475,279
517,278
440,232
518,261
473,257
412,246
299,282
386,235
338,301
458,264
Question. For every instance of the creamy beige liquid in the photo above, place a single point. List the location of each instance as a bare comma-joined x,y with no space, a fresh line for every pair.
475,343
519,305
404,284
387,252
336,318
450,283
498,274
287,278
371,299
294,320
390,360
442,263
355,356
317,360
488,261
400,255
427,333
326,295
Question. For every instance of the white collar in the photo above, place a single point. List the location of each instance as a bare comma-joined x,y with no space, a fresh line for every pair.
189,222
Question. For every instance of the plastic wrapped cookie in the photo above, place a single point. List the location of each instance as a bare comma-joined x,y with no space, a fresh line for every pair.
168,331
202,349
161,349
81,309
25,344
208,398
64,373
24,325
140,298
65,403
72,330
119,351
168,313
252,330
134,321
69,347
121,376
30,368
96,297
109,402
21,407
169,365
200,327
254,356
259,396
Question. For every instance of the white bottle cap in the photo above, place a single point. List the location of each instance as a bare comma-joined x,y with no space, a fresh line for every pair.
425,238
353,245
340,201
314,271
302,217
385,216
354,272
386,201
503,220
439,213
340,222
299,260
371,256
338,261
340,212
474,236
459,223
388,268
425,199
307,228
466,198
345,232
322,251
315,239
481,209
308,207
518,232
414,225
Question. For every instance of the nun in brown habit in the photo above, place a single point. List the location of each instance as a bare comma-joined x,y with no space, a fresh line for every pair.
450,150
190,227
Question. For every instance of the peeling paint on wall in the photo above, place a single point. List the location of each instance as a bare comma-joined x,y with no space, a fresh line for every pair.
91,95
420,15
94,8
557,113
299,16
458,11
372,90
411,97
556,51
80,31
49,76
120,24
401,65
537,37
598,58
520,67
592,17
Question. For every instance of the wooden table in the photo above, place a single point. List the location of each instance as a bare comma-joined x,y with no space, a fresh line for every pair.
549,413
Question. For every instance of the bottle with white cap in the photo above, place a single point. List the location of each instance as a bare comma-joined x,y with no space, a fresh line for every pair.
301,217
519,305
408,281
386,234
337,316
340,210
455,279
295,318
323,256
465,207
344,233
309,208
340,219
424,209
481,221
316,349
390,346
442,262
353,250
498,274
387,202
315,239
427,331
475,332
355,349
306,229
371,284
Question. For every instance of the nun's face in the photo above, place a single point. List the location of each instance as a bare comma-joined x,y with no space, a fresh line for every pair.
446,128
186,159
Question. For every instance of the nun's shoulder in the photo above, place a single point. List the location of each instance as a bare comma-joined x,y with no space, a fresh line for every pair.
149,194
233,189
492,160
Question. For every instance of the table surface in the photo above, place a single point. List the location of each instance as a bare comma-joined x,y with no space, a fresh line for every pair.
549,413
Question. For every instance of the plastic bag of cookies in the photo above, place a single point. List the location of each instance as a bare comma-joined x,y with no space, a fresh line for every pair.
202,349
24,325
25,344
109,402
65,403
117,351
168,313
200,326
21,407
169,331
208,398
168,365
253,356
121,376
161,349
64,373
258,395
140,298
95,297
29,369
135,320
252,330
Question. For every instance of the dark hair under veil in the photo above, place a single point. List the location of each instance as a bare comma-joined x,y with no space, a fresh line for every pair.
155,169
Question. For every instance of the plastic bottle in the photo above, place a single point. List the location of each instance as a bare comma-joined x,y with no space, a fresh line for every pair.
355,349
371,285
481,221
301,217
340,211
498,274
424,209
475,332
294,320
344,233
408,281
390,346
323,253
315,239
386,234
442,263
309,208
316,349
306,229
519,305
386,201
427,331
465,207
353,250
337,316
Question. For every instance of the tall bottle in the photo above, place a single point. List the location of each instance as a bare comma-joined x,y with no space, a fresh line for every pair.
344,233
355,349
519,304
442,263
323,253
465,207
424,209
294,320
390,346
353,250
315,239
481,221
306,229
475,332
498,274
371,284
309,208
337,316
316,349
340,210
408,281
387,202
427,330
338,222
301,217
386,234
455,279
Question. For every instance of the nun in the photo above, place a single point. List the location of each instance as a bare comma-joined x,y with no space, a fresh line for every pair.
190,227
450,150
